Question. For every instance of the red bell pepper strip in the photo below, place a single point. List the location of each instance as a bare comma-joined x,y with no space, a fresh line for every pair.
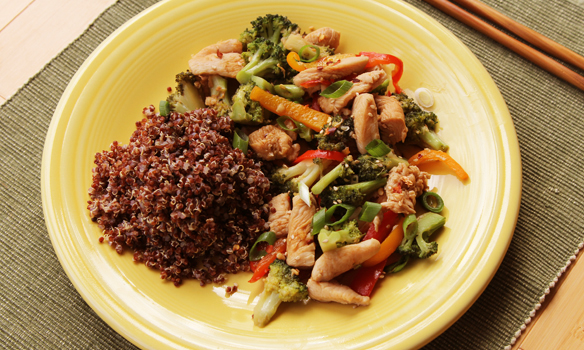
332,155
260,268
313,83
367,277
383,58
385,226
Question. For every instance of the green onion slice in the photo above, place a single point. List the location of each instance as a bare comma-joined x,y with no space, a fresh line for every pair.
164,108
433,202
318,221
240,140
337,89
308,47
369,211
350,209
377,148
399,265
410,226
255,254
281,122
304,193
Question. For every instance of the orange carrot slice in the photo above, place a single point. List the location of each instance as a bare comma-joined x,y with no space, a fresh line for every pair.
388,246
281,106
429,155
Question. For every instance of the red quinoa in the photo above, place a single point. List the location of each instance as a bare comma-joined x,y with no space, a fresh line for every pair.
181,197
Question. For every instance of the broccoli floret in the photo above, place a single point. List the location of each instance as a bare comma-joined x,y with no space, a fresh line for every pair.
416,243
370,168
218,87
271,27
335,135
187,96
348,233
421,125
286,179
246,111
341,172
281,285
263,58
353,194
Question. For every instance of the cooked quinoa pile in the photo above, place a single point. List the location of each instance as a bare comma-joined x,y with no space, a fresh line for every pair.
181,197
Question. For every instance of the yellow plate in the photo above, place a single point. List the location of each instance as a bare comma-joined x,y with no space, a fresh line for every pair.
132,69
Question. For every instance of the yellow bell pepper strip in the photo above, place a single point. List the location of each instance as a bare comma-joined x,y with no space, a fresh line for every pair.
429,155
293,60
383,58
388,246
281,106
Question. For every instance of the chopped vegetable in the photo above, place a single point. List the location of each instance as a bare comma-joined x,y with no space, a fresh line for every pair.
388,246
424,97
281,106
293,61
318,221
369,211
377,148
432,202
313,55
304,193
382,58
240,140
429,155
331,212
332,155
366,278
263,266
255,252
337,89
164,108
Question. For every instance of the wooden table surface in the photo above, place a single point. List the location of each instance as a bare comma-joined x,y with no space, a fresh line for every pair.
29,40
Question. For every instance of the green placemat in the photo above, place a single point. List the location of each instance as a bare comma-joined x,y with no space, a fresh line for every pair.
39,307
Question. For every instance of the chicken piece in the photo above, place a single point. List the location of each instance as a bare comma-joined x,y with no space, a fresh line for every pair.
334,71
280,214
300,248
334,262
222,58
271,142
335,292
361,84
324,36
392,124
404,184
365,121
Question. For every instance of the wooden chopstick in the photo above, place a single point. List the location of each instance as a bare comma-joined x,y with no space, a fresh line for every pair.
531,36
517,46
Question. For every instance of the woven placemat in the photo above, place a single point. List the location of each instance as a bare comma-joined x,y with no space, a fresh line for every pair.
39,307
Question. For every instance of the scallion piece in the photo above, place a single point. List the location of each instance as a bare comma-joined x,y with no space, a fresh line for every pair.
318,221
410,226
164,108
432,202
377,148
282,123
255,253
307,47
240,140
369,211
337,89
304,193
331,211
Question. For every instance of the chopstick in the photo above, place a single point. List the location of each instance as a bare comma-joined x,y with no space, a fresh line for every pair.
531,36
515,45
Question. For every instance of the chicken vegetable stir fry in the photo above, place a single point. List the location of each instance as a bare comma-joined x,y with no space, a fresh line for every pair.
347,207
